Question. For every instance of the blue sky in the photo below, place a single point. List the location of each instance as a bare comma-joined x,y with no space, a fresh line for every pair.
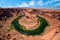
53,4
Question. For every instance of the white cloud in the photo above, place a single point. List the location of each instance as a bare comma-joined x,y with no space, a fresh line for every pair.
23,5
40,3
51,1
10,6
57,4
31,3
54,0
20,5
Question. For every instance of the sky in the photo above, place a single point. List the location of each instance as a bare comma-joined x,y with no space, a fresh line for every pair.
52,4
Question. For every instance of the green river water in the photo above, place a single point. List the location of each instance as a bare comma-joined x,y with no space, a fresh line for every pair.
43,24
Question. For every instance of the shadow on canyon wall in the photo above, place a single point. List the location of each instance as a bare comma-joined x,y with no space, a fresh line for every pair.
8,12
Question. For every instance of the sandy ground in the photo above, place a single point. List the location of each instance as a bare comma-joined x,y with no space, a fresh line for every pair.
52,32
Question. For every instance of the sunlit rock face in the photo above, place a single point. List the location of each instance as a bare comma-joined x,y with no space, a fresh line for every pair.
29,21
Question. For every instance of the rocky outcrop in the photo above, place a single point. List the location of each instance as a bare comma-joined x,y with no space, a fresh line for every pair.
8,12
